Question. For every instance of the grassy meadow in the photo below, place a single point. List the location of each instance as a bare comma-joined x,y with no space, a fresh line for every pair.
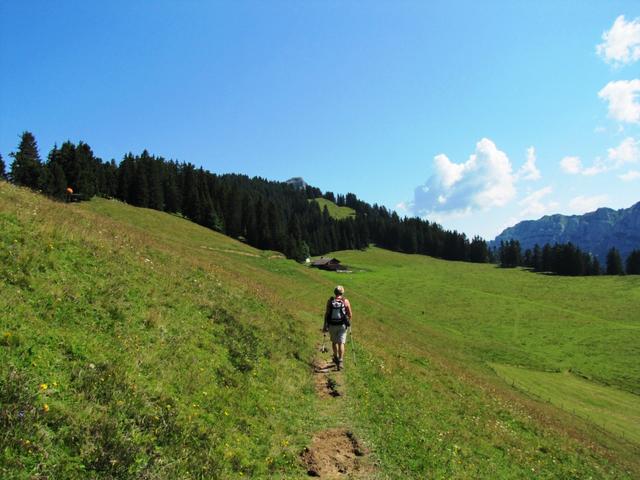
617,411
335,211
135,344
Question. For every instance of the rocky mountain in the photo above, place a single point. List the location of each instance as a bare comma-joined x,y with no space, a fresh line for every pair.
594,232
297,182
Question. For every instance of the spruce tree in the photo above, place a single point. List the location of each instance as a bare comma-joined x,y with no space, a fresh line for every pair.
547,259
170,187
140,185
633,263
26,168
3,174
57,184
614,262
86,164
536,258
126,174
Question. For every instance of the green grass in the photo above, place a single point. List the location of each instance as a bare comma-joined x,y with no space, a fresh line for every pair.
335,211
615,410
170,351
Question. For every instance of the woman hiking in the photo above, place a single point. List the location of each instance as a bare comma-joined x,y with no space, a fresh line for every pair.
337,320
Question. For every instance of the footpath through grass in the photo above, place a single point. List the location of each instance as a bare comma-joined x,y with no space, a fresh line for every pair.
138,345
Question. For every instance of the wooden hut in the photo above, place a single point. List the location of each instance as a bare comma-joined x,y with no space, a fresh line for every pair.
325,263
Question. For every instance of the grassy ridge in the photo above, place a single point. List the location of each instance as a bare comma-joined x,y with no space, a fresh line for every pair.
170,351
123,357
335,211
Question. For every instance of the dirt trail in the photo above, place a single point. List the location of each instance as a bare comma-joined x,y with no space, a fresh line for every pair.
335,452
326,384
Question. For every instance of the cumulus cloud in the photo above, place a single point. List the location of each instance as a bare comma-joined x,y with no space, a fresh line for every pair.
630,176
622,98
534,204
627,152
529,171
485,180
571,165
583,204
621,44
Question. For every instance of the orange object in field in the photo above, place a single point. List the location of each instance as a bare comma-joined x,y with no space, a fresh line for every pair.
69,190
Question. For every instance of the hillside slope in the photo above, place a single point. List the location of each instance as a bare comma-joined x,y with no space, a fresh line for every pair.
335,211
594,232
136,344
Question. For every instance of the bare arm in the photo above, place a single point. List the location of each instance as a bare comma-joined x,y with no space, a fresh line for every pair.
347,306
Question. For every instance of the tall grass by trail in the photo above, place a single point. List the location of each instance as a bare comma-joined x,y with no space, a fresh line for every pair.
135,344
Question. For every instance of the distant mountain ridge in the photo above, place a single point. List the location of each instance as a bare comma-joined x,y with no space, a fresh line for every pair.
594,232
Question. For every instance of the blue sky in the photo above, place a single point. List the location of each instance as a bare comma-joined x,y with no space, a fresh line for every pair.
474,114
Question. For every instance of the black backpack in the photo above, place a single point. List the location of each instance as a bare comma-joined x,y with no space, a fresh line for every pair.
338,314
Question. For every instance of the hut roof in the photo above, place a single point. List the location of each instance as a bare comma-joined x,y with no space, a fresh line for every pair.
325,261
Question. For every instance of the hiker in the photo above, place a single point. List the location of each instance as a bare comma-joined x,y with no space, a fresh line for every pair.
337,319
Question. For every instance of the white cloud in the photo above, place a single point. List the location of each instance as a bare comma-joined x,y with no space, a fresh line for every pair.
582,204
529,171
621,43
599,166
630,176
571,165
534,204
621,96
485,180
627,152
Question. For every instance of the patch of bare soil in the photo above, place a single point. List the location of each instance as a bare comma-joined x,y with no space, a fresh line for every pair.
335,453
326,385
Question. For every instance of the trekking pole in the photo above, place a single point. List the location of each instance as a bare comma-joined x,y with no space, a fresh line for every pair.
324,340
353,349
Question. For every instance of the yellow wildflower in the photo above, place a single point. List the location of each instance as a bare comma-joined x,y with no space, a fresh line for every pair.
43,386
45,407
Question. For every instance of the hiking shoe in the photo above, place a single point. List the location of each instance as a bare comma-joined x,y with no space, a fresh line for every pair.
340,364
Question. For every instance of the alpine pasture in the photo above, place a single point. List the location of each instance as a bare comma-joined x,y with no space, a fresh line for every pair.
135,344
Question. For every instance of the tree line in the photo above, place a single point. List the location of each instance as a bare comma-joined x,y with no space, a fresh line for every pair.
265,214
566,259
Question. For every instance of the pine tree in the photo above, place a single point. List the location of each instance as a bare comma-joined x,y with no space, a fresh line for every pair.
3,174
614,262
141,182
66,156
547,259
536,258
26,168
170,187
153,168
633,263
126,174
510,255
86,163
57,184
595,267
109,185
